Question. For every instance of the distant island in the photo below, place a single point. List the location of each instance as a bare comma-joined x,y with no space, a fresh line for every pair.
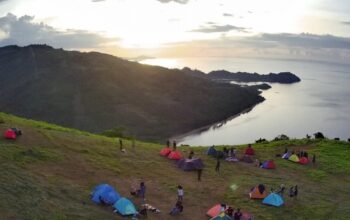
224,76
97,92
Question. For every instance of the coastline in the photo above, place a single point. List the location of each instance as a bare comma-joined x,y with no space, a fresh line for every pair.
179,138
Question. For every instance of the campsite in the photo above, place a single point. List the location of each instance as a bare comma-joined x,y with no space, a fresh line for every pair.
54,169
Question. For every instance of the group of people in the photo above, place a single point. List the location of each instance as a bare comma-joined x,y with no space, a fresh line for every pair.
293,190
229,211
302,153
174,144
229,152
178,208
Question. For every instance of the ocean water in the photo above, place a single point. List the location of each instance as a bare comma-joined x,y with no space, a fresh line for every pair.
320,102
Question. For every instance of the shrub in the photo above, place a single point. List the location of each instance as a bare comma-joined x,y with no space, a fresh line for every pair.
319,135
281,137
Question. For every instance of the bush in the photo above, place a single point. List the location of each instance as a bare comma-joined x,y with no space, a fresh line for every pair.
281,137
260,140
319,135
337,139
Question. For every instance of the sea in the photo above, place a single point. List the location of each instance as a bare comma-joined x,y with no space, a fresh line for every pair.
319,103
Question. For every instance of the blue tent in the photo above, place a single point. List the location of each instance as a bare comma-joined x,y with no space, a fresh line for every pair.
125,207
211,151
286,155
273,199
105,193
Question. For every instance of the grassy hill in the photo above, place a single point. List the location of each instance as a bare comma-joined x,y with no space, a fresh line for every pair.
96,92
49,171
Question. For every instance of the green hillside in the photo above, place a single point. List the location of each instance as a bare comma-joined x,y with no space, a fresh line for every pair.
49,171
96,92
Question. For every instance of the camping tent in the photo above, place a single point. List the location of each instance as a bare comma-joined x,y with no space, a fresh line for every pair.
247,159
273,199
105,193
294,158
258,192
303,160
125,207
269,164
286,155
190,164
249,151
10,134
214,211
211,151
221,216
165,151
175,155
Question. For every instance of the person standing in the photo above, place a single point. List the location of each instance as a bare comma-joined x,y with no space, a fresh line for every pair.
180,193
313,159
296,191
120,144
291,192
199,172
142,191
217,167
168,143
237,215
190,156
174,145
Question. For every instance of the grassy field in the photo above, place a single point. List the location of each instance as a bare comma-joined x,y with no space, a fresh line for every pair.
49,172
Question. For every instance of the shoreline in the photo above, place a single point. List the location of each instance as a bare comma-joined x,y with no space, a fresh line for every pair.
180,138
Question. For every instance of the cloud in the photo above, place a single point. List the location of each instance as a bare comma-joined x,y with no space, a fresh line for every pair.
177,1
23,31
219,28
228,15
98,0
346,22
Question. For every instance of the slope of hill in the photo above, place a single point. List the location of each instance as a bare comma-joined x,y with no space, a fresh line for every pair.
49,171
96,92
223,75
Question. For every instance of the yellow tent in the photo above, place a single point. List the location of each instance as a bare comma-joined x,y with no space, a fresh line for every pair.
294,158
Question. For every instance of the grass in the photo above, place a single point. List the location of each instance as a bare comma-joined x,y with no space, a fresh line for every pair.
49,171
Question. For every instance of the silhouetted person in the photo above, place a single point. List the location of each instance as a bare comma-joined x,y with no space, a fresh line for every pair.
168,143
217,167
199,172
190,156
308,136
296,191
237,215
291,192
174,145
306,154
285,150
314,159
121,145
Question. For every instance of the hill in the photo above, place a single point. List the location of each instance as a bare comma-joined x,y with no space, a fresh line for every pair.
96,92
50,170
224,76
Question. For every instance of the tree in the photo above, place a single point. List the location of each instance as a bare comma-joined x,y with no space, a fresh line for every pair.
319,135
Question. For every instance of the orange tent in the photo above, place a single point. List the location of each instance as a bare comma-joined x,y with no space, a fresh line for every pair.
255,193
214,211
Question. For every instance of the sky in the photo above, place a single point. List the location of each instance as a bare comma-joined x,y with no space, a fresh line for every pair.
317,30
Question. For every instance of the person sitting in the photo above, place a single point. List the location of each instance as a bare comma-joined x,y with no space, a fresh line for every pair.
177,209
249,150
143,212
237,215
229,211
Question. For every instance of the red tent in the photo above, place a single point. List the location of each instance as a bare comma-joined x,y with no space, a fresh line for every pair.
10,134
249,151
214,211
269,164
175,155
303,160
165,151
